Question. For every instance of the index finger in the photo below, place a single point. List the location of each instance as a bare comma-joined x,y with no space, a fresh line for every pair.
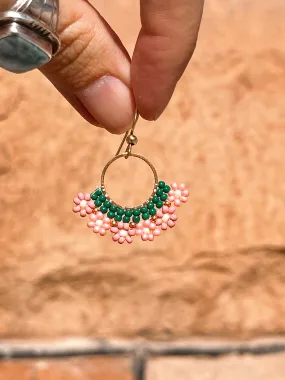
164,48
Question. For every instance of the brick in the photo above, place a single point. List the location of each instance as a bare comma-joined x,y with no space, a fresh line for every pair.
230,367
98,368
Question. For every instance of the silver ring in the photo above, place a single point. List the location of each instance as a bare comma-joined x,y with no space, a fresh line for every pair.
28,38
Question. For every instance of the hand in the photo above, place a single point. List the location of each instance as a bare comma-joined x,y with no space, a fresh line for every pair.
94,72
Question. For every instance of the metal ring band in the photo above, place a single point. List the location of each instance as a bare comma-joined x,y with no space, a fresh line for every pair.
124,155
38,15
45,11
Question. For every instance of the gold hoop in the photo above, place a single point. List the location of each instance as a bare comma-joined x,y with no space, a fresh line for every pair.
124,155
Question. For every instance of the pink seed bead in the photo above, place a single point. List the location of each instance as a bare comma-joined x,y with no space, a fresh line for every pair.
177,202
132,232
171,198
173,217
114,230
93,217
171,192
152,226
165,209
76,201
159,214
99,215
120,225
139,232
116,237
174,186
150,237
91,204
158,222
185,193
80,196
183,199
102,231
144,237
91,224
171,223
126,226
83,213
106,226
89,210
171,209
182,186
87,197
106,220
156,232
121,240
147,223
139,225
76,208
164,226
129,239
96,229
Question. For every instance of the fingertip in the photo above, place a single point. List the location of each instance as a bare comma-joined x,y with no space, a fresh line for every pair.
110,102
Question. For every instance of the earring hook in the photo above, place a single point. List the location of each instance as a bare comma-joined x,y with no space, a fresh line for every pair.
130,138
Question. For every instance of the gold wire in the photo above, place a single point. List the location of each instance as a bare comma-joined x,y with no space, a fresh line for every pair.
123,155
127,134
128,153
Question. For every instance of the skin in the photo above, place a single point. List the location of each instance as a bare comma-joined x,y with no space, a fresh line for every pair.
95,74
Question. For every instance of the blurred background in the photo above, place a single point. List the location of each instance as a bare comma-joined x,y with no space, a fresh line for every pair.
220,274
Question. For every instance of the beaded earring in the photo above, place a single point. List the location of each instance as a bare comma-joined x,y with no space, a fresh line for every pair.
148,220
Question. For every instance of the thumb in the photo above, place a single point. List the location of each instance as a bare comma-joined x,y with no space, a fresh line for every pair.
92,70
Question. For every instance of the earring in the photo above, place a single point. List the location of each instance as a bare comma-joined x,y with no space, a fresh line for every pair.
148,220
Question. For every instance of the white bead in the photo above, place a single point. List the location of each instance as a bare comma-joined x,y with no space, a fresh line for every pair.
83,204
99,222
177,193
165,218
123,233
146,231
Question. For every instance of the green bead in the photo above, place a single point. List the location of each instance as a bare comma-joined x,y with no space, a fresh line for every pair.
136,212
102,198
167,189
94,196
104,209
120,211
161,184
144,210
159,192
113,208
126,219
118,218
136,219
163,197
98,203
145,216
150,205
128,212
111,215
155,199
98,192
107,204
152,211
159,204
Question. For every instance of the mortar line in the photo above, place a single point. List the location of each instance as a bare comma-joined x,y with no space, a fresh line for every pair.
85,347
140,363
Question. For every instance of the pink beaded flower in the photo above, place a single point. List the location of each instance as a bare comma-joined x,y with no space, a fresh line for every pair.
178,194
147,230
123,233
99,223
83,204
166,217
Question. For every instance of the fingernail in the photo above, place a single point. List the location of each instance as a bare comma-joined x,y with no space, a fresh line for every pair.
110,102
